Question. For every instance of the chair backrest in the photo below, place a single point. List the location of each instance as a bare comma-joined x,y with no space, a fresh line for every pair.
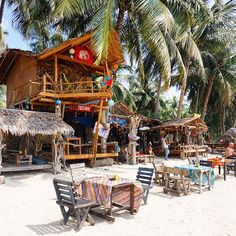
64,191
77,172
206,163
144,175
175,171
193,160
158,167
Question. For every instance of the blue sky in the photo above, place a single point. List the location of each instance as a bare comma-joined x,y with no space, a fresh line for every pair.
13,39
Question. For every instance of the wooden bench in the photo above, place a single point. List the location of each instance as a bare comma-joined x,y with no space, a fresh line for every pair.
176,181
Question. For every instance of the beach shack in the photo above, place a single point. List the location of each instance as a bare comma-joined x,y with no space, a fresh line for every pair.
185,136
67,80
31,140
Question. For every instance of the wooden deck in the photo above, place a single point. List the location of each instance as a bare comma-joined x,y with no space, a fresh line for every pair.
13,168
90,156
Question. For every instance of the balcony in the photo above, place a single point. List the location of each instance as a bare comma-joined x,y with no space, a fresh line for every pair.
46,90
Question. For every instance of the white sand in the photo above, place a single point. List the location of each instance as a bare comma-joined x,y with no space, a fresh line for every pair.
28,208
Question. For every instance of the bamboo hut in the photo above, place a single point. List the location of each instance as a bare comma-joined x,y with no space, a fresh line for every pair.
184,135
22,135
67,80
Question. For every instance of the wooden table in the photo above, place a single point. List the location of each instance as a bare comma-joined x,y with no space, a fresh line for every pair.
113,194
196,173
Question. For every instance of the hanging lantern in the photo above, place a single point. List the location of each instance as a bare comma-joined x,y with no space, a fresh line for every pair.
58,102
72,52
115,67
103,83
111,103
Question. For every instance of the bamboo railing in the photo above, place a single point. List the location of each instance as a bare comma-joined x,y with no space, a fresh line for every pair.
47,85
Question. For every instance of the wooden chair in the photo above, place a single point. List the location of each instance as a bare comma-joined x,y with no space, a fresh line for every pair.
159,173
176,181
144,175
193,160
77,207
78,172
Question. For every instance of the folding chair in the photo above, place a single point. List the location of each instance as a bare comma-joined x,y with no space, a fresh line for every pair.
144,175
77,207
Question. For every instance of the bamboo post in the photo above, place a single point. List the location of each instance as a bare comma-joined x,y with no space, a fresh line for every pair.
44,83
103,140
56,68
96,132
55,159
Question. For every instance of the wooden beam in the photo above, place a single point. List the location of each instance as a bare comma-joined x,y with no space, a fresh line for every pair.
89,156
77,95
91,66
67,44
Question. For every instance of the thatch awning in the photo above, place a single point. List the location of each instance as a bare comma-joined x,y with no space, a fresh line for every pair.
193,123
21,122
121,110
229,135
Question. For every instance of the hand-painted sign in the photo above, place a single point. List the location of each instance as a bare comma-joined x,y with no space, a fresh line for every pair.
83,54
81,108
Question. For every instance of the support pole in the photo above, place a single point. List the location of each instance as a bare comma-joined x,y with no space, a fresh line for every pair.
56,68
1,148
103,140
96,133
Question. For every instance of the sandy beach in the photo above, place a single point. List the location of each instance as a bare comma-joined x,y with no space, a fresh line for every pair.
28,207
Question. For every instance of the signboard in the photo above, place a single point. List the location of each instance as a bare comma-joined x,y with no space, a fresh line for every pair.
102,131
81,108
83,54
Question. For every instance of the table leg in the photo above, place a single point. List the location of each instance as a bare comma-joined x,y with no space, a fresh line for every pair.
235,169
110,209
209,180
225,171
132,199
200,185
219,169
145,160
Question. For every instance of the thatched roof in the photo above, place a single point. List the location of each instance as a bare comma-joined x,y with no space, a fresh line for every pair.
114,56
120,109
21,122
229,135
190,122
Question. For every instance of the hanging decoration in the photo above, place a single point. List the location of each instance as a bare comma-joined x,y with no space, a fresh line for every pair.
83,54
72,52
111,103
58,102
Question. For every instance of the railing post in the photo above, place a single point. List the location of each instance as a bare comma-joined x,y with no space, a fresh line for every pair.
44,83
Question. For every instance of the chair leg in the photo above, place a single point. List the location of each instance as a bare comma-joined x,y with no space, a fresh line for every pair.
77,217
85,216
90,220
145,196
67,215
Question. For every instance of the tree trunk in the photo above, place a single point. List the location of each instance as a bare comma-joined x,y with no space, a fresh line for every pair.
120,19
1,10
157,102
196,100
1,17
183,87
205,103
222,126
